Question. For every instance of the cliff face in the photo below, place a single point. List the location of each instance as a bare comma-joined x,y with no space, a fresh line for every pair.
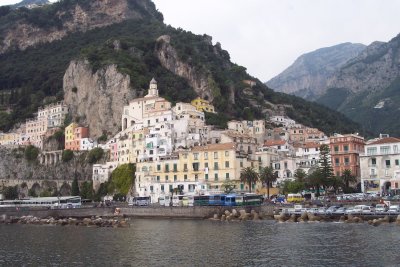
373,70
13,166
78,17
169,59
310,74
97,99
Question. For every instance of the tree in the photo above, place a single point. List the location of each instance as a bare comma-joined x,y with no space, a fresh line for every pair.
87,190
95,155
249,175
347,178
31,153
292,187
314,180
267,177
10,192
122,179
75,187
228,186
300,175
325,166
67,155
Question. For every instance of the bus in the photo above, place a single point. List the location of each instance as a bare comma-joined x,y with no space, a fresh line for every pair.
44,202
201,200
295,198
243,200
217,200
252,200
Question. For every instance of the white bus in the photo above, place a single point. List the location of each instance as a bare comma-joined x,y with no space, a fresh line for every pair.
142,201
45,202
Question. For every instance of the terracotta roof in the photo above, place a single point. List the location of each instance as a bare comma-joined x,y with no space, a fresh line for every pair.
310,145
224,146
274,142
386,140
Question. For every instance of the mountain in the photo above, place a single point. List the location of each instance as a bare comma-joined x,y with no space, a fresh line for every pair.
99,54
308,76
30,3
366,88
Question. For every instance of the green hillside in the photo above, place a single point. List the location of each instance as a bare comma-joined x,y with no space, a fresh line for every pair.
31,77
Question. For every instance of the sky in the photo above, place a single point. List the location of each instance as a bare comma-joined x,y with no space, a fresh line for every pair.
266,36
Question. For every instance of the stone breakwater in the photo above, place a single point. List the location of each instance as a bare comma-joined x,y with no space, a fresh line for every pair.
235,215
116,222
309,217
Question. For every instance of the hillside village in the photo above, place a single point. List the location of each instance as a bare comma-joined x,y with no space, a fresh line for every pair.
173,148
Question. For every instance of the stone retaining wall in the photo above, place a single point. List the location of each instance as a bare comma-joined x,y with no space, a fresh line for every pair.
201,212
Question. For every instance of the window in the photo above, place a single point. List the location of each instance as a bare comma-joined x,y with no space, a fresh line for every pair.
151,188
205,155
215,165
241,164
395,149
196,177
196,166
185,168
175,167
373,161
226,164
371,151
196,156
158,167
158,178
175,178
215,155
162,188
215,176
346,161
206,165
226,153
337,161
185,177
206,176
385,149
166,177
170,188
396,162
346,148
166,168
227,176
387,163
336,148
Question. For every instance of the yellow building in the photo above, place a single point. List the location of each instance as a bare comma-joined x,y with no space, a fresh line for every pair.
69,135
203,105
201,170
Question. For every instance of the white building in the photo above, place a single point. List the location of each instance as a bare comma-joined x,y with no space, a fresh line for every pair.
87,144
380,166
285,121
102,173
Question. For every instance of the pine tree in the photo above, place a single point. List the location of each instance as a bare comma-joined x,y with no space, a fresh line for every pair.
75,187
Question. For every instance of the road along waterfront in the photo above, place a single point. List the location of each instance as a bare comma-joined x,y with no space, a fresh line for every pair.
201,243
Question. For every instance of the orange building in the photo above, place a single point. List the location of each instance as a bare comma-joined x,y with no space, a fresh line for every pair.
345,153
73,136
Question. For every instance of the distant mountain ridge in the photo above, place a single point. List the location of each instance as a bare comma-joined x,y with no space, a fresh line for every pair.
309,75
366,88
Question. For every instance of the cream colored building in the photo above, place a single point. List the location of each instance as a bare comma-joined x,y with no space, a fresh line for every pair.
201,170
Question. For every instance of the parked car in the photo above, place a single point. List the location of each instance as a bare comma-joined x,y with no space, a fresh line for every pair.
367,210
331,209
312,210
349,211
321,211
340,211
393,209
381,208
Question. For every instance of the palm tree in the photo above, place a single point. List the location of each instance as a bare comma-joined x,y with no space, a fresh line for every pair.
267,176
348,178
249,175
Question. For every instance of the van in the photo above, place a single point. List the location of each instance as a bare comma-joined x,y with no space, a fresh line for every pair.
358,208
167,201
177,200
185,201
295,198
161,200
380,208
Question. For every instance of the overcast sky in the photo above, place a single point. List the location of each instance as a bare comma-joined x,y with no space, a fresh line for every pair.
266,36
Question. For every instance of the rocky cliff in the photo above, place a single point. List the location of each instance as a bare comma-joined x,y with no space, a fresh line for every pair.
309,75
69,16
97,99
14,170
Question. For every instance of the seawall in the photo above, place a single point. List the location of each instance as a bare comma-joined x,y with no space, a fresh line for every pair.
198,212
